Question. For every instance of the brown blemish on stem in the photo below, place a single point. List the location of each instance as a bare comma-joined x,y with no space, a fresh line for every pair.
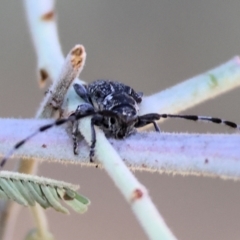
55,103
137,194
43,77
48,16
77,57
78,51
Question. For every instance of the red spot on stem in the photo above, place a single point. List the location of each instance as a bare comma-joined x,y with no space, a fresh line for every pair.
137,194
48,16
43,77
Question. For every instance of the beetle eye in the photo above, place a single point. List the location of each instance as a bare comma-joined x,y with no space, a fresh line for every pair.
98,94
112,120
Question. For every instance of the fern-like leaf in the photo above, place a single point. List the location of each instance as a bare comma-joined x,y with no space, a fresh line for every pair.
28,190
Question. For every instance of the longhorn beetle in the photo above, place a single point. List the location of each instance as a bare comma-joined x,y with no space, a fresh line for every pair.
114,108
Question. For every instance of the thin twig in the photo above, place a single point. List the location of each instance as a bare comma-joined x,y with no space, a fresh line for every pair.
42,23
195,90
216,155
71,69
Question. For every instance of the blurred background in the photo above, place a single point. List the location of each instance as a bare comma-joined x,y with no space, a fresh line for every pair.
150,45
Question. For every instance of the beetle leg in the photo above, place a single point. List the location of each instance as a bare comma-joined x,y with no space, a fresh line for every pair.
148,119
75,139
82,92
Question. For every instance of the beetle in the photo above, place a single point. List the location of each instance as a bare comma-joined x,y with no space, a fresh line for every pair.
114,108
